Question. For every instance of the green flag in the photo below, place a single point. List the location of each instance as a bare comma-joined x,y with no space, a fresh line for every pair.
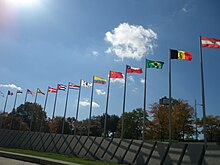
154,64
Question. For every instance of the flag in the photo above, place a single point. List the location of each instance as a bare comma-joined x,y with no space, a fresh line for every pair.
86,84
179,54
72,86
2,94
30,92
99,80
40,92
154,64
10,93
115,74
53,90
130,69
19,91
210,42
61,87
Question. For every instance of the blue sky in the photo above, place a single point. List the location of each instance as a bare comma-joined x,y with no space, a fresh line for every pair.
47,42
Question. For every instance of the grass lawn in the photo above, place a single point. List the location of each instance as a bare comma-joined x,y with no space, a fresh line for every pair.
57,157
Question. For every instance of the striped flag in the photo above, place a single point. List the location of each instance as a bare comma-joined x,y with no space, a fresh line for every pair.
210,42
72,86
53,90
10,93
130,69
99,80
61,87
30,92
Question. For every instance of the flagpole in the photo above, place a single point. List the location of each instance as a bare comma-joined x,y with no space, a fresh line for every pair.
13,110
25,99
77,108
196,120
203,93
32,115
122,117
106,108
55,101
6,100
170,103
145,98
90,112
45,104
64,115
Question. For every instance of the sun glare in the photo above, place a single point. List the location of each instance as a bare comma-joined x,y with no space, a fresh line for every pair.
23,2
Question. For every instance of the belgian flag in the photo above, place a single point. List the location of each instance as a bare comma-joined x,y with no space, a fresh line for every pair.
179,54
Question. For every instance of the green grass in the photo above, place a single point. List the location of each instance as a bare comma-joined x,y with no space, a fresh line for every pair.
57,157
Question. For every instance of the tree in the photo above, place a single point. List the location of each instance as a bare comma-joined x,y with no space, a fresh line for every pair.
158,125
30,115
133,127
111,125
212,127
182,120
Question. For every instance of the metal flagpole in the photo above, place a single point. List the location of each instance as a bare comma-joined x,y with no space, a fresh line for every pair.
90,112
32,115
196,120
64,115
77,108
55,101
123,109
145,97
13,110
170,103
25,99
6,100
106,108
203,93
45,103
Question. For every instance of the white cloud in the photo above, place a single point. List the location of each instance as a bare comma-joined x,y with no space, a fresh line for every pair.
100,92
12,86
130,41
131,78
86,103
95,53
184,9
117,80
142,80
135,90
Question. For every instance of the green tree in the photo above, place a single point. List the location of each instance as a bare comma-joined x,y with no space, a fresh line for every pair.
133,127
182,120
30,114
212,127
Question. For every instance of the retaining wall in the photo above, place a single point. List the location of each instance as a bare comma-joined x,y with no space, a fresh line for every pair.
124,151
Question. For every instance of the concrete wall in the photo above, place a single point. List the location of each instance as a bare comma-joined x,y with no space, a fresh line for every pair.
124,151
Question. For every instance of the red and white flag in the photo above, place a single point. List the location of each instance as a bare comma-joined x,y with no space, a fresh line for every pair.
210,42
72,86
53,90
131,69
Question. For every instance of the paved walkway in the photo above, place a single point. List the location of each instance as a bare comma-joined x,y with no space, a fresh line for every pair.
8,161
9,158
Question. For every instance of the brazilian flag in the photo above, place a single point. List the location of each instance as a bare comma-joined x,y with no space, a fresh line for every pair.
154,64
